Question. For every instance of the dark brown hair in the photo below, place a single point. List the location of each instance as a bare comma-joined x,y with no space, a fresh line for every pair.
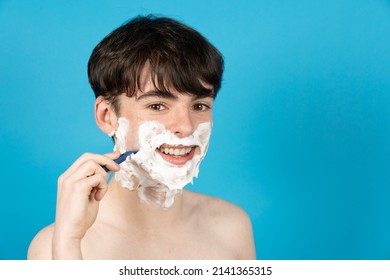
178,56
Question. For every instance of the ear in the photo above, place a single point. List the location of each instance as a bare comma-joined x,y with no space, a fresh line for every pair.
105,116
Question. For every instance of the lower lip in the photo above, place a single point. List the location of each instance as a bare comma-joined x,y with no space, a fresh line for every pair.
177,160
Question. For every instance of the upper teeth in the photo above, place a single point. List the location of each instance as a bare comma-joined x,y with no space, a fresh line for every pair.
176,151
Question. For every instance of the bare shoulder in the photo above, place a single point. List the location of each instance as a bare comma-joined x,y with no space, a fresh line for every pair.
229,221
216,208
40,246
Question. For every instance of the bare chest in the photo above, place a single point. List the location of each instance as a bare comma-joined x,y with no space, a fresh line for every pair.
163,244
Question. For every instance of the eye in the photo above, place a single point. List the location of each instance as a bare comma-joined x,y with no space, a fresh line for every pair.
201,107
157,107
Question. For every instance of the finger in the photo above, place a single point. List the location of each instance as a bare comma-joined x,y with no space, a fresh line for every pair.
100,193
110,166
113,155
104,160
89,168
80,191
92,194
92,183
99,187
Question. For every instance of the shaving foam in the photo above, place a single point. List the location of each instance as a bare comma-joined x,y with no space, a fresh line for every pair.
157,180
120,135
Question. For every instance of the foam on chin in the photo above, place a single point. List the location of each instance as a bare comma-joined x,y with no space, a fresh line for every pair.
157,180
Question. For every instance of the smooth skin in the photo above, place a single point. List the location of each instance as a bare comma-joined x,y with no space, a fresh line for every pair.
96,220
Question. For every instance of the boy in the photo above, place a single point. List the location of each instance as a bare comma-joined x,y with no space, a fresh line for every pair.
155,81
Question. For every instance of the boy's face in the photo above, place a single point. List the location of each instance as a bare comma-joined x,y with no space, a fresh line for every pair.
179,113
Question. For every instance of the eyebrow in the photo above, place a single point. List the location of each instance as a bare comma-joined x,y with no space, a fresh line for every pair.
159,94
168,95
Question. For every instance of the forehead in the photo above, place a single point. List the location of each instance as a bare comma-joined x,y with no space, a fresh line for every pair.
162,85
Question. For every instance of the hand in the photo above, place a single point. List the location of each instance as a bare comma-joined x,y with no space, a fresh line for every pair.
80,189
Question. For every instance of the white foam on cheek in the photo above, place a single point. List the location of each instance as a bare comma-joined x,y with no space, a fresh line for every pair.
120,135
157,180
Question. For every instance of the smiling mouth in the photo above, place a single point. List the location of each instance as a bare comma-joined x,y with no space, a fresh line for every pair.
177,155
175,151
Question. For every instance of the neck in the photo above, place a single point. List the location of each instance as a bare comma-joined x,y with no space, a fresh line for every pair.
127,208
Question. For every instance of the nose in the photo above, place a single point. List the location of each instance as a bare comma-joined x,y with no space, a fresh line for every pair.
181,122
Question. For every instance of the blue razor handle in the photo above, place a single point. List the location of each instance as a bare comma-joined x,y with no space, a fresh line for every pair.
121,158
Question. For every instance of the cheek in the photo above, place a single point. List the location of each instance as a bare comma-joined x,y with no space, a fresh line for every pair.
132,143
126,138
202,118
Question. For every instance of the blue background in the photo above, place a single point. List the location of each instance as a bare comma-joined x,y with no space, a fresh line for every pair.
301,135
